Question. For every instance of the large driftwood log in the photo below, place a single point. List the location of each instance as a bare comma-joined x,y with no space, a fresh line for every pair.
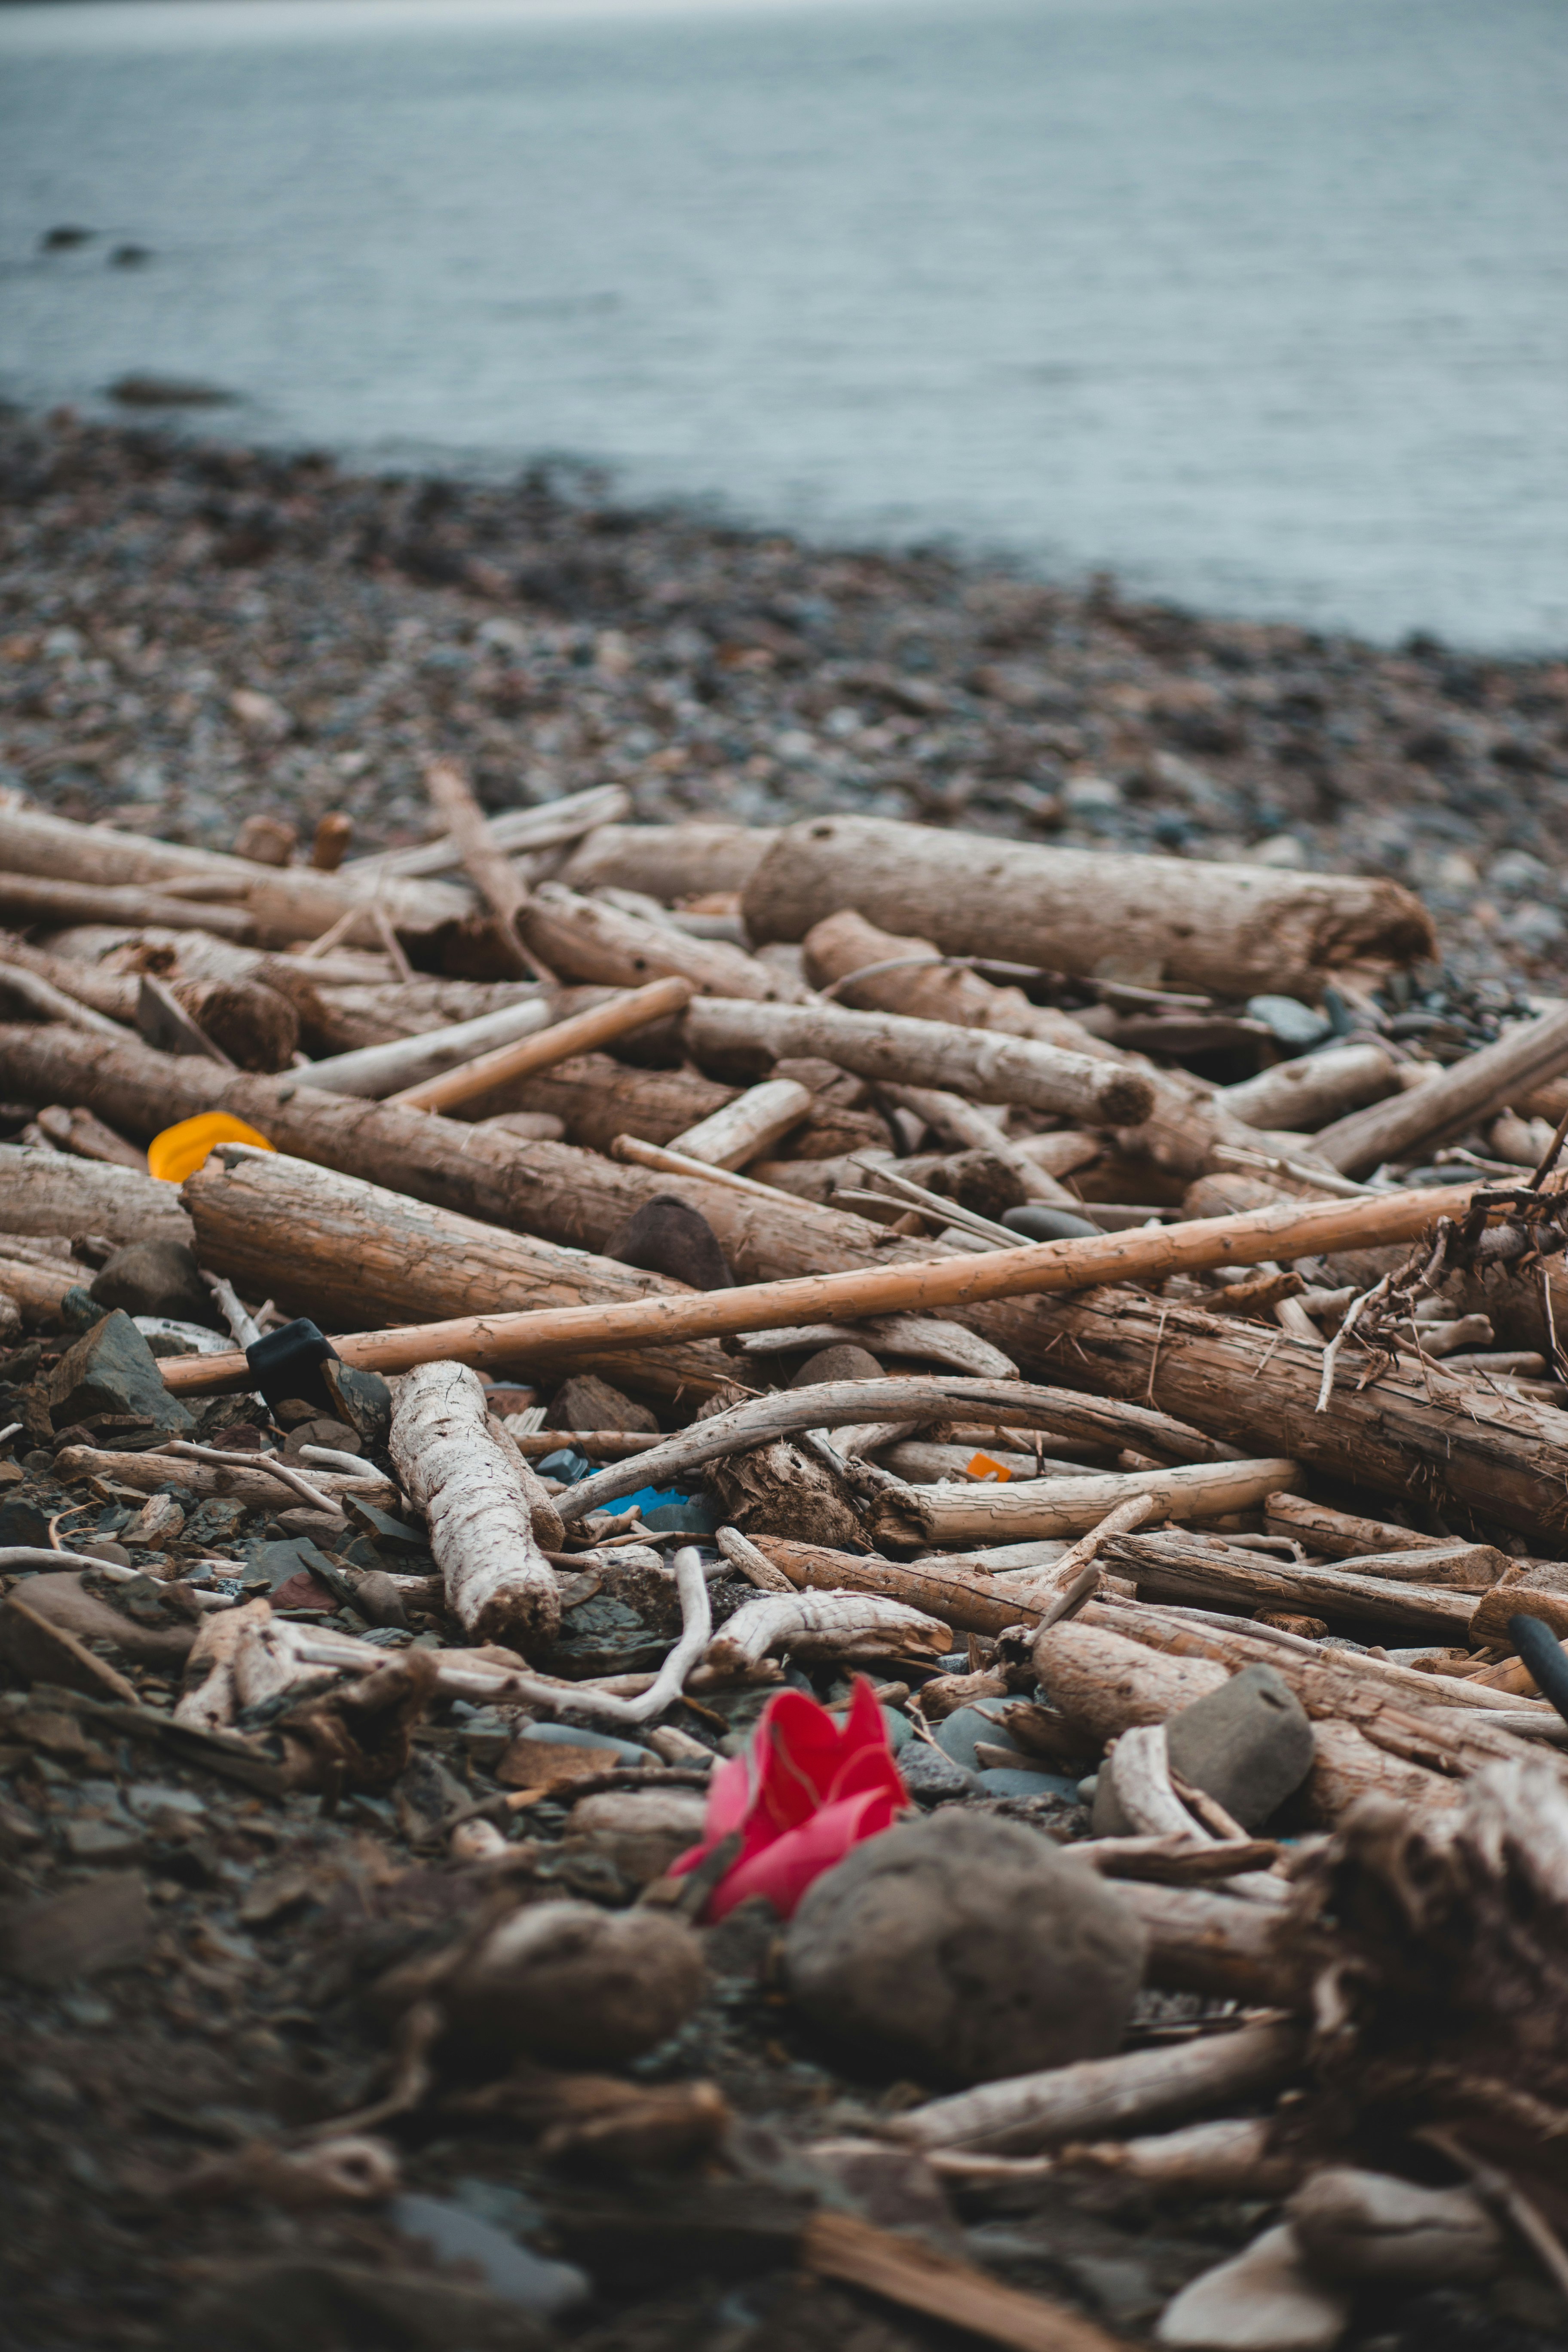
1522,1059
32,899
887,1046
1212,1943
697,860
478,1497
333,1246
1104,2096
597,1098
832,1404
55,1192
585,939
1234,929
984,1514
283,903
1340,1533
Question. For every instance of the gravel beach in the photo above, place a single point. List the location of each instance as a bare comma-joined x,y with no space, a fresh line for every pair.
190,634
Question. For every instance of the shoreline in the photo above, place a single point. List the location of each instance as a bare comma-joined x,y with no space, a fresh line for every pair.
194,631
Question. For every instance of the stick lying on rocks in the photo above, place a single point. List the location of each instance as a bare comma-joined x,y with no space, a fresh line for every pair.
1296,1229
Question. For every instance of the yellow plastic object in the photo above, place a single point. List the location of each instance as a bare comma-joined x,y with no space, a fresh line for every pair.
180,1151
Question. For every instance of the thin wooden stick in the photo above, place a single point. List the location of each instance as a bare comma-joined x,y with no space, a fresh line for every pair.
579,1034
489,870
1297,1229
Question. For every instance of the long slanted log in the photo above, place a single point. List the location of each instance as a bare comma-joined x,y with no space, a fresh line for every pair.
283,903
30,899
479,1497
334,1246
1522,1059
966,1599
1234,928
579,1033
887,1046
597,1098
46,1192
981,1513
748,1125
1305,1093
491,872
377,1071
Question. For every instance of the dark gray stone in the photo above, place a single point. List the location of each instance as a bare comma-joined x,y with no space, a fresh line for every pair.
1036,1222
957,1733
155,1278
932,1776
843,1361
965,1947
361,1399
668,1236
110,1369
1248,1745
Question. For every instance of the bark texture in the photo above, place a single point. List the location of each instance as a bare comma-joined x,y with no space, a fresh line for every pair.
671,862
469,1482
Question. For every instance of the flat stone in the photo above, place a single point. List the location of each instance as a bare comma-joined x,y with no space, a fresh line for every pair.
932,1776
155,1278
110,1369
964,1947
1261,2301
996,1780
103,1841
668,1236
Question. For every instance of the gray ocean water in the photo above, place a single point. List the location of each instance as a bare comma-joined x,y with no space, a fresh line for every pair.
1262,304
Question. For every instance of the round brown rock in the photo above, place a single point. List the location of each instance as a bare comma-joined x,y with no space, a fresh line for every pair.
843,1361
574,1987
964,1947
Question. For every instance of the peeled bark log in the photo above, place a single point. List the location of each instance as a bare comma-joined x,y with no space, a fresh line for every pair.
344,1016
1522,1059
972,1129
697,859
920,1053
333,1246
472,1488
493,876
983,1514
1101,2095
282,903
969,1602
54,1193
486,1073
582,938
33,899
826,1626
1234,929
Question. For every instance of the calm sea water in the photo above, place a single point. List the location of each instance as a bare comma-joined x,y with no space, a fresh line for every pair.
1261,303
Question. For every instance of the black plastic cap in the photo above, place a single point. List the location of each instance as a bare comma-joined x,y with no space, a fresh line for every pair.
288,1364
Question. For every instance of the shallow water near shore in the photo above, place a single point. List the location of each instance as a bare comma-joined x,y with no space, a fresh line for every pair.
1261,306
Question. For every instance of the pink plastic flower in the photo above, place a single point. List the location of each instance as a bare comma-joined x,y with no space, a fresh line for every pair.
802,1795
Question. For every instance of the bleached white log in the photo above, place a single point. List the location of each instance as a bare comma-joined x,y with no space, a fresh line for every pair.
471,1487
379,1070
748,1125
822,1625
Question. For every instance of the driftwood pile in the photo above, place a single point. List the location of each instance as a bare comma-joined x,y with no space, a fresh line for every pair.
1085,1294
